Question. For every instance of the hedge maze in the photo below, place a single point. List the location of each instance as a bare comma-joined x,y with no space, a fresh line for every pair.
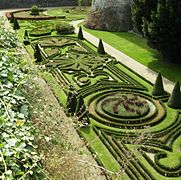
133,121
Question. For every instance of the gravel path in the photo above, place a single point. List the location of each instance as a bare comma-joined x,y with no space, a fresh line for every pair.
131,63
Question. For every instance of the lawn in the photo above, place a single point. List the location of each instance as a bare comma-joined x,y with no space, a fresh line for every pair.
136,47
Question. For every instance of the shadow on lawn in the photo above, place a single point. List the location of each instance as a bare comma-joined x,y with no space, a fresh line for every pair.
168,70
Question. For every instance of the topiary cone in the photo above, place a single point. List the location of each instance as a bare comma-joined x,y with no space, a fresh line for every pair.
37,54
16,24
175,98
100,48
158,89
80,34
12,18
26,34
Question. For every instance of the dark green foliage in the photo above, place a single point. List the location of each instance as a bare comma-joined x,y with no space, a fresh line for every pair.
142,9
34,11
26,41
175,98
64,28
163,32
16,24
158,89
26,34
12,18
71,102
100,48
81,108
37,54
80,33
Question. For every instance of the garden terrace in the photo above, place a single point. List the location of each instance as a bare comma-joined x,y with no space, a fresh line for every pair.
129,129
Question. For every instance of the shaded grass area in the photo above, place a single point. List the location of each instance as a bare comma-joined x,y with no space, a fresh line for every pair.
136,47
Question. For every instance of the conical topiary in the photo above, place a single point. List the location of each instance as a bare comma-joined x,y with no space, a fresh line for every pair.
37,54
16,24
100,48
26,34
175,98
12,18
80,34
158,89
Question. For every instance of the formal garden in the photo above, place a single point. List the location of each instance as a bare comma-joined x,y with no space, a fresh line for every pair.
131,126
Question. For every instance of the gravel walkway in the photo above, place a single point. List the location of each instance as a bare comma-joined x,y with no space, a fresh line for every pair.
131,63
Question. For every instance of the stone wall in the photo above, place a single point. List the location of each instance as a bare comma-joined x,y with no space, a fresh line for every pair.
111,15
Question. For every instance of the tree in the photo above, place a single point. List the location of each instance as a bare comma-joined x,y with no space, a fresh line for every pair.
175,98
158,89
164,31
142,9
16,24
37,53
100,48
80,34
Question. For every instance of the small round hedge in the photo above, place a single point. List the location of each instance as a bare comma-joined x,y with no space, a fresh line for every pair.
64,28
34,11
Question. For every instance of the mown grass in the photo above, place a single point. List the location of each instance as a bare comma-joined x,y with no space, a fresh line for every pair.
71,14
136,47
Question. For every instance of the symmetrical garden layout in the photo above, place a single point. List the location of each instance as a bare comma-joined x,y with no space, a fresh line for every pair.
130,133
129,129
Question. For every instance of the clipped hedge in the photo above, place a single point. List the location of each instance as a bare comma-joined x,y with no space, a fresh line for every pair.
64,28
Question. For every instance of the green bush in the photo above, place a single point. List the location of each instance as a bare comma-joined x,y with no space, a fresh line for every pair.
100,48
64,28
175,98
16,24
158,89
34,11
80,34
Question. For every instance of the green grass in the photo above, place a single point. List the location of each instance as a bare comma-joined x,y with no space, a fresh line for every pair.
57,90
101,151
74,14
136,47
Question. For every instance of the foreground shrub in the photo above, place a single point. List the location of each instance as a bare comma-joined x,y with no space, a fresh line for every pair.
64,28
34,11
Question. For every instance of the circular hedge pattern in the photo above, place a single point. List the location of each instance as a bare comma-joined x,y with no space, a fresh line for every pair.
125,105
143,111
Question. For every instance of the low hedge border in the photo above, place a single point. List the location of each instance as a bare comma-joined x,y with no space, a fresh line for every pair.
159,169
113,151
8,15
135,166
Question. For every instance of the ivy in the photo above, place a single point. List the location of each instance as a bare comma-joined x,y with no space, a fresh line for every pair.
18,156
